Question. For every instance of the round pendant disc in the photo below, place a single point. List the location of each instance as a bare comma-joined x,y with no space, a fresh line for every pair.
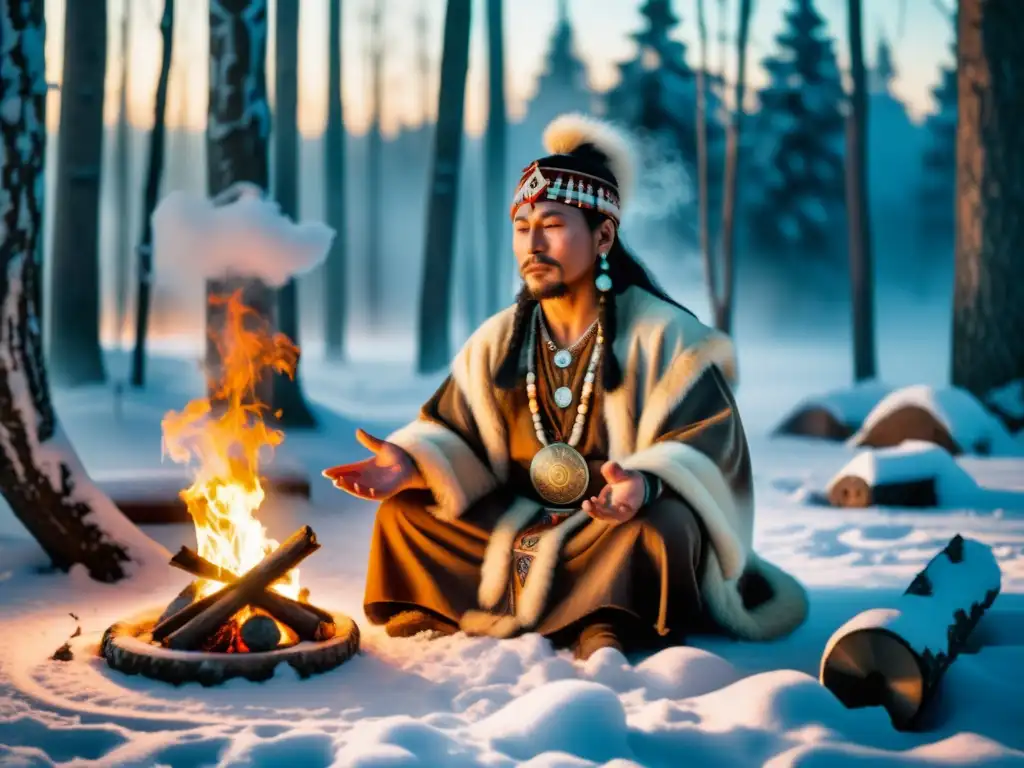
604,283
563,358
559,473
563,396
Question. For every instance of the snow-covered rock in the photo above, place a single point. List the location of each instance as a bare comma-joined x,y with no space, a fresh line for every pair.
969,425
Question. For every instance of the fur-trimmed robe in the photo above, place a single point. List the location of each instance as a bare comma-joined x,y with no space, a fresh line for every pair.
664,352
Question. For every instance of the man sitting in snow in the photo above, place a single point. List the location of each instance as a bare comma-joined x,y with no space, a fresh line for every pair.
545,486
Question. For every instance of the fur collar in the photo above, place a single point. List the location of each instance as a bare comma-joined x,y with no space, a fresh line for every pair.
663,350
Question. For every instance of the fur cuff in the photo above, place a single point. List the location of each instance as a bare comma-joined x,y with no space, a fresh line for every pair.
697,479
779,616
451,470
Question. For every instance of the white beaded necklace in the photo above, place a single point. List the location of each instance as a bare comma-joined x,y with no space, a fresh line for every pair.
588,385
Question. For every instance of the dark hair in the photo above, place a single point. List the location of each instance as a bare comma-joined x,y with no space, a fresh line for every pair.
626,271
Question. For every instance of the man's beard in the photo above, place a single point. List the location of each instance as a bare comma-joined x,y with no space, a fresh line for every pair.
550,291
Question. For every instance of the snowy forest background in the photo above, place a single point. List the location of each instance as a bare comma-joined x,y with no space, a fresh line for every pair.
792,248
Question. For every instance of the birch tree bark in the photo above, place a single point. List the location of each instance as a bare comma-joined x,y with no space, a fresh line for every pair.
41,477
237,153
434,348
74,354
988,294
336,284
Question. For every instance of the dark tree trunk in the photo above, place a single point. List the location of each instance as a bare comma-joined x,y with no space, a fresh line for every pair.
288,400
861,278
434,348
988,304
237,135
74,354
496,143
41,478
122,184
157,138
723,308
710,273
375,171
336,298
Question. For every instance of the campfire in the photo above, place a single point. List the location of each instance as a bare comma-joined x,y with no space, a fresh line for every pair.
246,610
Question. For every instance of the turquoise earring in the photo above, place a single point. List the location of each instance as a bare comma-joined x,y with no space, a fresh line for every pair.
603,281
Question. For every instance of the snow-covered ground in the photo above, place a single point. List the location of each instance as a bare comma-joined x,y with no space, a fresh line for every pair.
460,701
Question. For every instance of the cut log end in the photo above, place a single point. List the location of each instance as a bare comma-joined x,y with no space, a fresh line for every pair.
854,491
850,491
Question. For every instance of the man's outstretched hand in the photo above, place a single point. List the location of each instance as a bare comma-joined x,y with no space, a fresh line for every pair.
389,471
620,499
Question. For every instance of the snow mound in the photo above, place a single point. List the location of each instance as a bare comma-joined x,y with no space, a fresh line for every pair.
836,414
969,426
194,237
914,460
579,717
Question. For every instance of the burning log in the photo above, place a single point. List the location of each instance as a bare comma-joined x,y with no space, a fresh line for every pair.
895,658
307,621
246,590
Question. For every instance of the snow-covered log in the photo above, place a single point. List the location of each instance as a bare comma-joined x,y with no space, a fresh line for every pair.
895,657
833,415
41,477
913,474
950,417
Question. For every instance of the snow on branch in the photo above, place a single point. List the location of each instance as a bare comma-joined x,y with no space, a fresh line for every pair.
239,233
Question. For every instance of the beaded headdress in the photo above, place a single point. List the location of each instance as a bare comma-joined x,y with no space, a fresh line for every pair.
590,166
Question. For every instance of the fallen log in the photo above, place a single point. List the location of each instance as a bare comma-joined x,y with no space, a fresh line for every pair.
853,491
307,621
896,657
244,591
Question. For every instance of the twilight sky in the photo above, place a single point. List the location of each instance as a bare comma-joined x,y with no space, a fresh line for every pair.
919,31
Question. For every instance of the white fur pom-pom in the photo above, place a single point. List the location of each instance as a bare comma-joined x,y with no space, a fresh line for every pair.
567,132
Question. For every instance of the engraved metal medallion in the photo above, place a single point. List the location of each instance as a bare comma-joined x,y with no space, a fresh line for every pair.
563,358
559,473
563,396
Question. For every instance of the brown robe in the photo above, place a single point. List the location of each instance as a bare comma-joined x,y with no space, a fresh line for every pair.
685,557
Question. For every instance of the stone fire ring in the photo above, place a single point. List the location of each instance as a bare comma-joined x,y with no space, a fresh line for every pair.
126,646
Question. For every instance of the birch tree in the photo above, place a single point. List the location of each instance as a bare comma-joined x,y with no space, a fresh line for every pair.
41,477
74,353
988,293
237,136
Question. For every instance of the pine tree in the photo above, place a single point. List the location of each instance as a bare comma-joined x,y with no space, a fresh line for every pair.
657,98
800,205
938,171
562,87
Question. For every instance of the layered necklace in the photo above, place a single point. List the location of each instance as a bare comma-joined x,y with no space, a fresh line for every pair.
564,357
559,472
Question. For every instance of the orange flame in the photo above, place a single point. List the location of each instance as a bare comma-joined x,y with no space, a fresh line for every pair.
225,437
